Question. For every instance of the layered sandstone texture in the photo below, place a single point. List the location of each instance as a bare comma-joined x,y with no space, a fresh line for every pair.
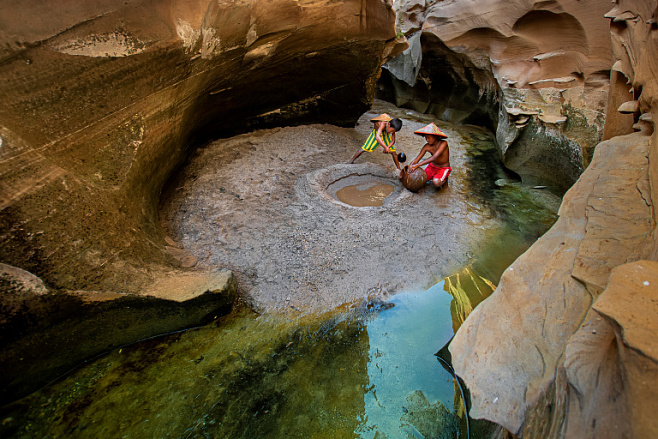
536,72
101,101
566,346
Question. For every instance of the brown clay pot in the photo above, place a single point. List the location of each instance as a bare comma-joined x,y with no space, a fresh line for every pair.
414,181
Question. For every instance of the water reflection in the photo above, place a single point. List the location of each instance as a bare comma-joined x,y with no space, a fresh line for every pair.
409,393
362,371
367,371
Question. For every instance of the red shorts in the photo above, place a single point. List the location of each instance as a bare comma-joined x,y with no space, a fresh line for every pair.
436,172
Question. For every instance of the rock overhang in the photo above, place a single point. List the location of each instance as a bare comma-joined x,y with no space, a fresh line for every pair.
90,136
103,102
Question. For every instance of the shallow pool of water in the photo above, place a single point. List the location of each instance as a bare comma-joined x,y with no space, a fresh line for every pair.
366,370
368,194
410,393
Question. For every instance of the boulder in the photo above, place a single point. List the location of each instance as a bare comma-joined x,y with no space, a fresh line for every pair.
539,150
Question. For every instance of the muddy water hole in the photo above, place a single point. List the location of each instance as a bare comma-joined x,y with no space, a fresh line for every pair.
352,285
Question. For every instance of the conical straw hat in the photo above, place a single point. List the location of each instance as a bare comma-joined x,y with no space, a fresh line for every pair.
430,129
382,118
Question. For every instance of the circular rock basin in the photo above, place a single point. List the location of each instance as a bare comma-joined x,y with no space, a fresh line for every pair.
324,252
362,189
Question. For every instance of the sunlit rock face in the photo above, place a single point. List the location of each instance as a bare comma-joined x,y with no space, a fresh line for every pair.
537,73
566,346
101,100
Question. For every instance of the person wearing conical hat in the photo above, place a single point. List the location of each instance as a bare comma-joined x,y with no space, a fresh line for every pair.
438,164
383,133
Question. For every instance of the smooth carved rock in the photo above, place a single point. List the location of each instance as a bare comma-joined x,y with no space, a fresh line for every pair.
629,107
54,333
618,211
509,348
406,65
537,358
18,288
631,300
610,362
542,155
477,56
102,101
561,35
591,383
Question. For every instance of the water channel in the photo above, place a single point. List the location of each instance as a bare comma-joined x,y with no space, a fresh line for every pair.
366,369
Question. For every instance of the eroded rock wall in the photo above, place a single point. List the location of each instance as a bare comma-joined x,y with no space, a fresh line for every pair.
536,73
432,78
565,346
101,101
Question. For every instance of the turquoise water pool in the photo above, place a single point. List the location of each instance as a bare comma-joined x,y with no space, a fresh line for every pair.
365,370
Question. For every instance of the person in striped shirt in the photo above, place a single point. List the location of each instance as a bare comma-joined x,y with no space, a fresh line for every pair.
383,133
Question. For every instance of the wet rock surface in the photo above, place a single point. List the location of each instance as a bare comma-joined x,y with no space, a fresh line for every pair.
262,205
46,335
560,295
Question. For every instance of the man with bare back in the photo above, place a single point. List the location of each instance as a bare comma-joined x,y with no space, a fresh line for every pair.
438,164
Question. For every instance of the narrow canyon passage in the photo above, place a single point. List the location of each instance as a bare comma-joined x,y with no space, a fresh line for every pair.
303,365
187,251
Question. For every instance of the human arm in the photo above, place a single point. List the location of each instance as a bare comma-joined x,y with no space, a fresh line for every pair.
440,150
390,146
380,140
414,163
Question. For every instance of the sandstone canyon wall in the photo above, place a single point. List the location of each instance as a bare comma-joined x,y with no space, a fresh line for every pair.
101,101
536,73
565,346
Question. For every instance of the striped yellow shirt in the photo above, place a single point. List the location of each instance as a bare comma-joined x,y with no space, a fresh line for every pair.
371,142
